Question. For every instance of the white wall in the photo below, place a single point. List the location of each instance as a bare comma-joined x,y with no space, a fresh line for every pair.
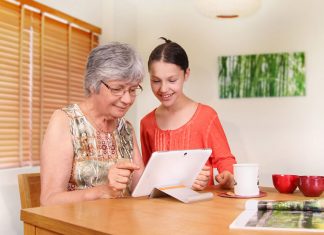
283,135
89,11
10,200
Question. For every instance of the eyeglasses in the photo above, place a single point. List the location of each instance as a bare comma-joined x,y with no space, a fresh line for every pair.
121,91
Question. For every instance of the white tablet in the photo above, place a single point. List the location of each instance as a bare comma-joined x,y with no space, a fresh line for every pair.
169,168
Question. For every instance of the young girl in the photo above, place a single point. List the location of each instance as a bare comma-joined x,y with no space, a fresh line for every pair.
180,122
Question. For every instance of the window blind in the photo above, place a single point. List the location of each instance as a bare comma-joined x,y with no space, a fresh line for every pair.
42,61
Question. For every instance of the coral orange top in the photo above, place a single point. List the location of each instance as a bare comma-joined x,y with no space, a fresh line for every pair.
203,130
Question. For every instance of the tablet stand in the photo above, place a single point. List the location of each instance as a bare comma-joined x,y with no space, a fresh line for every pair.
182,193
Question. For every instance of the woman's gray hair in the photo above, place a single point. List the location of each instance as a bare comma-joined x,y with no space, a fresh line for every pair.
113,61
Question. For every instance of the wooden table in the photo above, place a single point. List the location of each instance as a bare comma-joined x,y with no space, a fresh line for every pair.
144,216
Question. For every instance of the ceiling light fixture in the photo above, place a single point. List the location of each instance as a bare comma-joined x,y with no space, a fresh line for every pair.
227,8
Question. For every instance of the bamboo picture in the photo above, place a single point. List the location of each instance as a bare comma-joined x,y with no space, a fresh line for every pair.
264,75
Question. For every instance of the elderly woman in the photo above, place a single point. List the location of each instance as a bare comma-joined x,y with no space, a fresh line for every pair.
89,149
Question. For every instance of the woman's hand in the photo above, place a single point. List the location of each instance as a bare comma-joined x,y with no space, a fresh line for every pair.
119,177
225,180
202,180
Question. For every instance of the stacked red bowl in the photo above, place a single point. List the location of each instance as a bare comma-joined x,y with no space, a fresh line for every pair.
285,183
311,186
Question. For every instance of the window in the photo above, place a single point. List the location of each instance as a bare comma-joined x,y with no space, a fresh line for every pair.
42,61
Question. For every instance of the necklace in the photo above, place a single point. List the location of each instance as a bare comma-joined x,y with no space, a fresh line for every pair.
96,126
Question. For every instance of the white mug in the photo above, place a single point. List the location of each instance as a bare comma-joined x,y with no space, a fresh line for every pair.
246,176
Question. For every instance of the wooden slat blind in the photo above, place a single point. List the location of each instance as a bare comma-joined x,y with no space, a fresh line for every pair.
42,63
9,80
31,88
79,50
55,58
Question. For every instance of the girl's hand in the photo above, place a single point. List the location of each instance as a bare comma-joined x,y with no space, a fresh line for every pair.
225,180
202,179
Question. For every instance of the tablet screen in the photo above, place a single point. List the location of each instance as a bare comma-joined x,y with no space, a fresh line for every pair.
169,168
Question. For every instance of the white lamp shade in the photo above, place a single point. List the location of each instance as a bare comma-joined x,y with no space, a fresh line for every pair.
227,8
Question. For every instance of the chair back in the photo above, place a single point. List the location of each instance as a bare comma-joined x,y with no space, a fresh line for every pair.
29,189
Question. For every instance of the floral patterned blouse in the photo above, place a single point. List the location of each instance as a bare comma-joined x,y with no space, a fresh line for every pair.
95,151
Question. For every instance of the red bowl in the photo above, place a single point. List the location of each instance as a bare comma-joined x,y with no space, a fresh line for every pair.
311,186
285,183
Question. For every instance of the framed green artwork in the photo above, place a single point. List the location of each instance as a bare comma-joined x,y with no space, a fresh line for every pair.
262,75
